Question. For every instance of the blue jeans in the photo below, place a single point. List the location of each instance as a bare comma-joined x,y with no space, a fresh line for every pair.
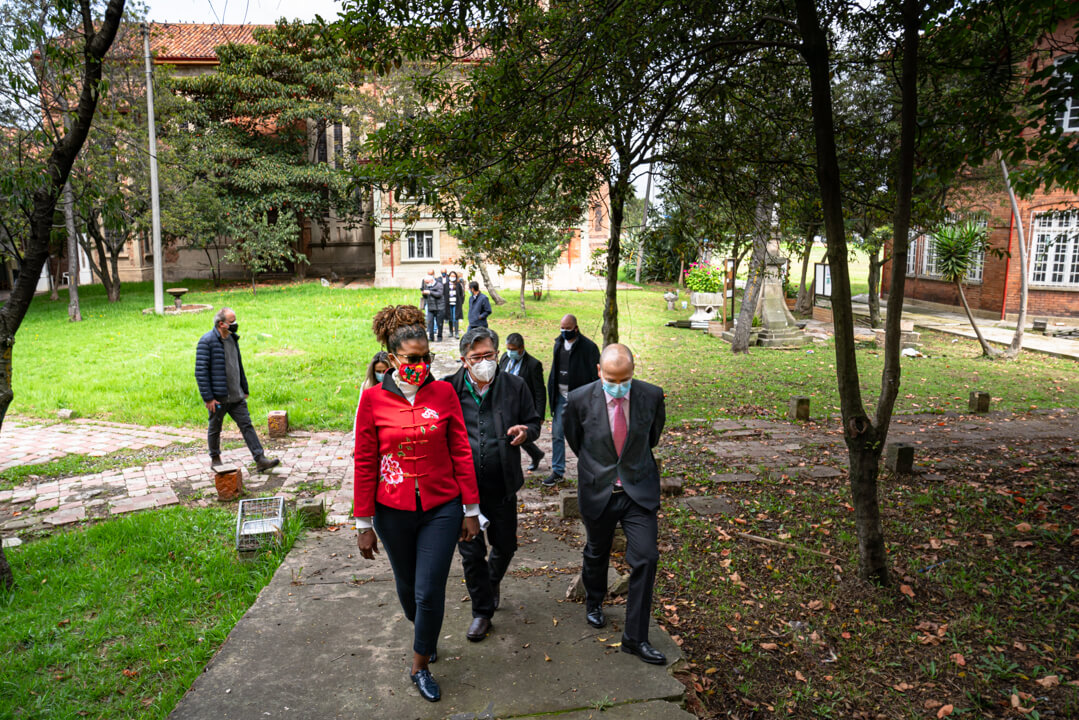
420,545
454,319
558,439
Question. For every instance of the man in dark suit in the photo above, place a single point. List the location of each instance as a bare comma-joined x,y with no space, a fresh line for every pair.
612,425
517,361
479,307
574,365
499,416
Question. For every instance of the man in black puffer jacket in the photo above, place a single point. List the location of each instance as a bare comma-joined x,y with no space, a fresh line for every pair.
219,370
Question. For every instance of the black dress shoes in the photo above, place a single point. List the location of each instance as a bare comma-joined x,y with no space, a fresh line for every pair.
534,465
644,651
426,685
264,463
596,618
478,629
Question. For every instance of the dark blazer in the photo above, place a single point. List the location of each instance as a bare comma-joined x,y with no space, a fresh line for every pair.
479,307
461,295
583,359
432,302
210,367
588,432
512,405
532,373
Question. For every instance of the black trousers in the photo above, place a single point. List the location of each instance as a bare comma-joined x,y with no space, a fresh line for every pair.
434,322
239,413
533,452
484,572
642,555
419,544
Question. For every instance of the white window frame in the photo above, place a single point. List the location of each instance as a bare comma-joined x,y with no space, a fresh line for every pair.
977,267
912,255
1054,257
1069,116
408,246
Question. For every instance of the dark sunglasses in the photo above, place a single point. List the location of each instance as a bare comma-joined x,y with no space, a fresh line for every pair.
413,359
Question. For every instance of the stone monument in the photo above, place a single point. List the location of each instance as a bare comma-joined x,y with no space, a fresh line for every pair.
778,327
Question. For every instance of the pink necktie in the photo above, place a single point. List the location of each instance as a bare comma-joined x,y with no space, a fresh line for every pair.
618,427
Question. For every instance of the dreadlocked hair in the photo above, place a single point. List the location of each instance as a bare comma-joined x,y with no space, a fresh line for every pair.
395,324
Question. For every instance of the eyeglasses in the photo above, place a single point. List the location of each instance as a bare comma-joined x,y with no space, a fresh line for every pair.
481,358
413,359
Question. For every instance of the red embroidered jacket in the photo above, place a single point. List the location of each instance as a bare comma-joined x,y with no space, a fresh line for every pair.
401,445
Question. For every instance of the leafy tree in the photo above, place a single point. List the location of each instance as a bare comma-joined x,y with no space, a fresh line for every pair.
258,129
91,30
262,241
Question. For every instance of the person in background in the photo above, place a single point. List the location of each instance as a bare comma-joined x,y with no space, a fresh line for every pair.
574,365
479,307
455,302
517,361
431,290
612,425
499,416
219,372
376,371
413,472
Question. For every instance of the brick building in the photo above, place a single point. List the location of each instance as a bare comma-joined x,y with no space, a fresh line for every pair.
1050,222
356,251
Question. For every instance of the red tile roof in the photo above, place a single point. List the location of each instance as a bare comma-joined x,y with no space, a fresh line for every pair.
196,42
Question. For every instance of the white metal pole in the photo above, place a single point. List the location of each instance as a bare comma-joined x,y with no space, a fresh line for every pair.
155,209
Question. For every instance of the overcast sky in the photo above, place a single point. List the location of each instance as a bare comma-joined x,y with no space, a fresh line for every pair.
236,12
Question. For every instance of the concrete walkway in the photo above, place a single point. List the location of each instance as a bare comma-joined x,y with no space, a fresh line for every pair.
327,639
994,331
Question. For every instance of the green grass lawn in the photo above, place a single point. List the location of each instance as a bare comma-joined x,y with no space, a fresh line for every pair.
306,347
117,619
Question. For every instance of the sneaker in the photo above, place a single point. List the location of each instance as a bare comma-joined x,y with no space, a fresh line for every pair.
551,480
264,463
534,465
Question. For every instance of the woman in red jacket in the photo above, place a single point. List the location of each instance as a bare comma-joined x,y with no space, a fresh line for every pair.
414,471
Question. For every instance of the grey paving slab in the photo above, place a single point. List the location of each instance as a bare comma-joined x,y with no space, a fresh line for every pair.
333,643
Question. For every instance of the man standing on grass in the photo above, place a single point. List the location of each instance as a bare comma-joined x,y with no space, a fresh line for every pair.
219,371
479,307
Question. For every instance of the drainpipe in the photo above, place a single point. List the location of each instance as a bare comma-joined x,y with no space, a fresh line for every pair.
1007,267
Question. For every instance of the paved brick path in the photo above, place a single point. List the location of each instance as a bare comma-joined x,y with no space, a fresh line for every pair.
23,442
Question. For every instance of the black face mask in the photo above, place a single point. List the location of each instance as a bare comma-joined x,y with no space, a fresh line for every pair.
234,327
569,334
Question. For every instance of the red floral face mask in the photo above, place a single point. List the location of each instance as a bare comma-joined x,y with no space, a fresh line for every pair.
414,373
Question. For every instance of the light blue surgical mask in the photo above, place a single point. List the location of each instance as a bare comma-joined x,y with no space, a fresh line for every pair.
616,390
514,354
379,376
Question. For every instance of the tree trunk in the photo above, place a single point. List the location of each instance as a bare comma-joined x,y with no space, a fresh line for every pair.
7,578
523,280
113,288
986,350
865,441
804,303
492,293
1024,281
755,278
617,198
874,288
74,312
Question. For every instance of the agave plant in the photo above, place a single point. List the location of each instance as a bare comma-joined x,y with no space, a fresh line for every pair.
957,247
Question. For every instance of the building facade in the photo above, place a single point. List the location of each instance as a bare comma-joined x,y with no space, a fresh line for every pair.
334,247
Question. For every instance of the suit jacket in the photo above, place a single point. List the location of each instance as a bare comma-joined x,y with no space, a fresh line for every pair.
583,359
588,432
432,302
479,307
532,373
511,404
